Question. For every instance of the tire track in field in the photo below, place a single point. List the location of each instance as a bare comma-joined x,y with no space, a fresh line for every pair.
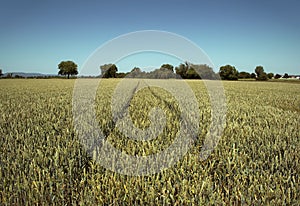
176,110
179,114
169,105
110,126
112,123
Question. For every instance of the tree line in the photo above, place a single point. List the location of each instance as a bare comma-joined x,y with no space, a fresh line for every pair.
185,70
166,71
190,71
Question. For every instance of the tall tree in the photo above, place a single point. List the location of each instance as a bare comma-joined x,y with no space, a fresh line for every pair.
182,69
228,72
108,71
67,68
259,70
1,74
261,75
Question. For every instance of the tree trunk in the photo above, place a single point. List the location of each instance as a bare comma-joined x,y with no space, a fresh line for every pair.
68,76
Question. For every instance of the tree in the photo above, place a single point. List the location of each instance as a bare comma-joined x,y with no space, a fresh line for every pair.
244,75
192,74
162,73
135,73
67,68
136,70
121,75
259,70
108,71
165,72
285,75
228,72
270,75
168,66
203,71
9,75
195,71
253,76
182,69
261,75
277,76
1,74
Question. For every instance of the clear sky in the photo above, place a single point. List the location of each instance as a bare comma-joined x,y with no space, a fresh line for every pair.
36,35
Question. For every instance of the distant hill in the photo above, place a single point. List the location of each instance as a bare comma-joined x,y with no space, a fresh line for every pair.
24,74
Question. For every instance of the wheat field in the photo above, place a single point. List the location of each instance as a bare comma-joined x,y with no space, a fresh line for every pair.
43,160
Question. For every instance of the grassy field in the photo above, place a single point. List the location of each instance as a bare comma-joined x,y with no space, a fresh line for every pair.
256,162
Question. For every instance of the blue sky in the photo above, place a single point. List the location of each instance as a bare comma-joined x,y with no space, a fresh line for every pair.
36,35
